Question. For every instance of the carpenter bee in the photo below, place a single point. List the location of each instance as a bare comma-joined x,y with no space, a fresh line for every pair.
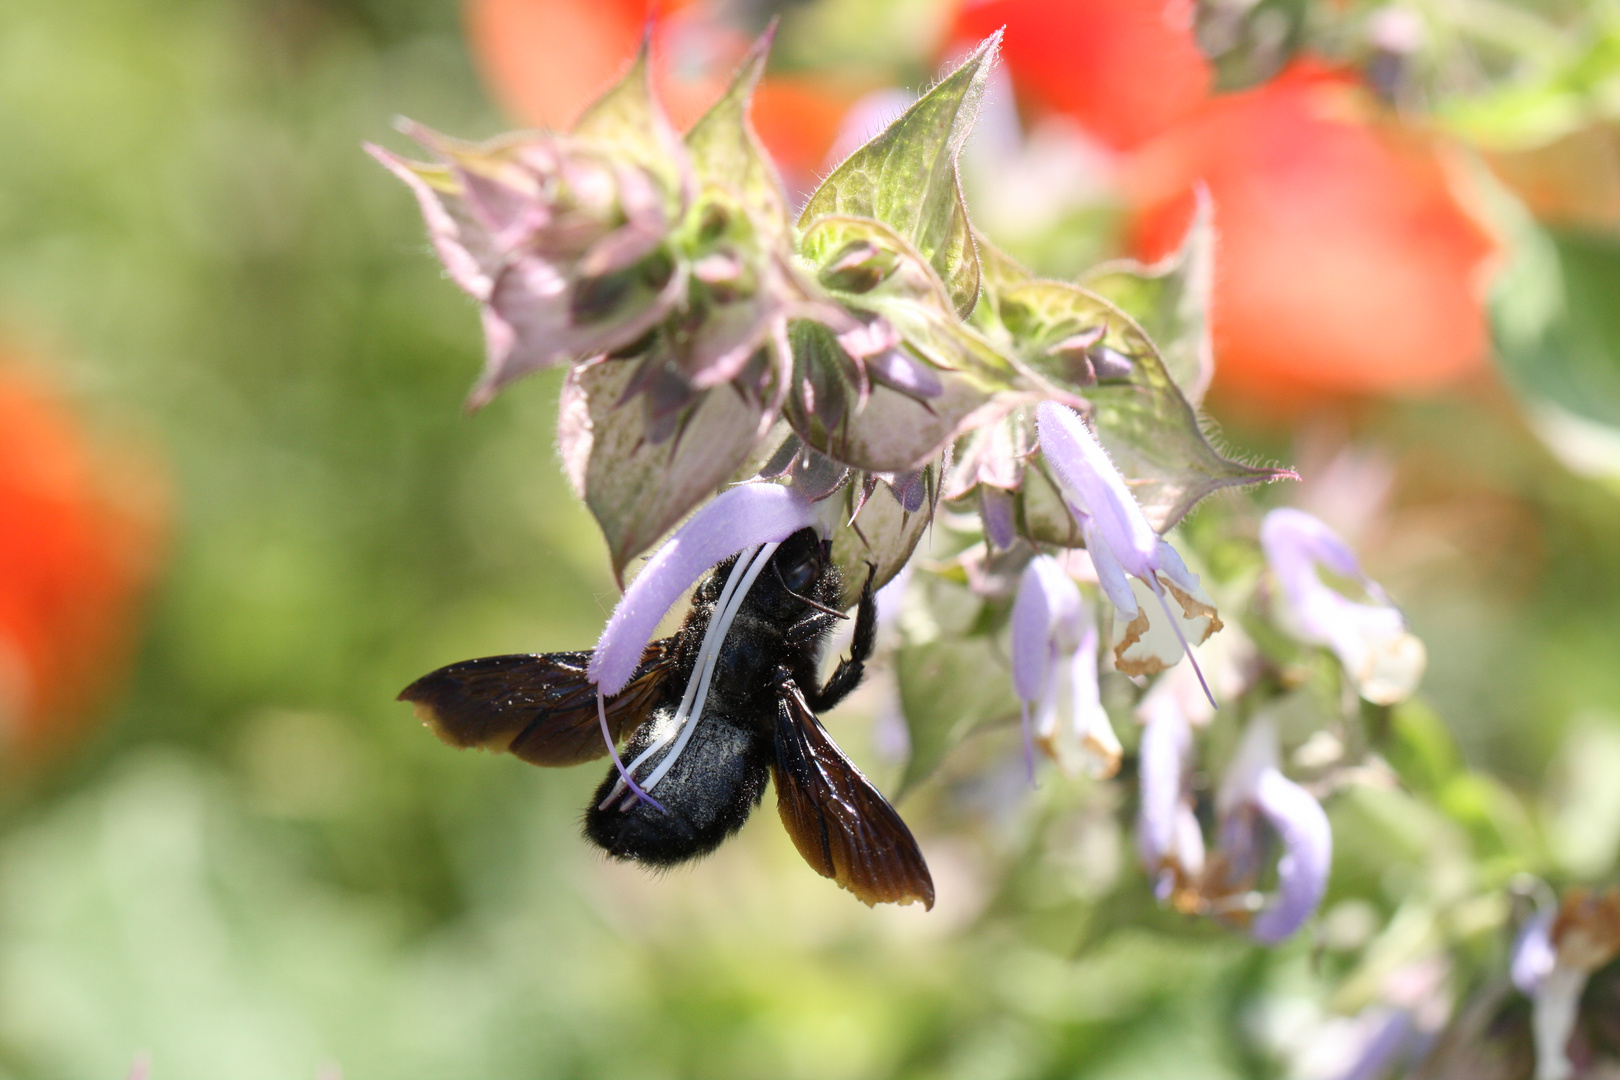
710,715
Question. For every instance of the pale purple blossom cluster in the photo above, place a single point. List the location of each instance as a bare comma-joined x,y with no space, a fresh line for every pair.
1267,827
1137,567
1383,660
786,371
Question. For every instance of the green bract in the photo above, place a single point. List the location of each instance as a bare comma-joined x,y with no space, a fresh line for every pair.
1153,434
906,177
879,335
1170,301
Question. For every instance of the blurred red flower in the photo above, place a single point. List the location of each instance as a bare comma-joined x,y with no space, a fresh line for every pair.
1124,69
1345,262
545,60
76,547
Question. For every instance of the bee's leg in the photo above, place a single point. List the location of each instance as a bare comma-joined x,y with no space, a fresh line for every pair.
847,676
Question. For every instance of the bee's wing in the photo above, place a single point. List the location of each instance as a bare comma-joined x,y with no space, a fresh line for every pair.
839,822
541,707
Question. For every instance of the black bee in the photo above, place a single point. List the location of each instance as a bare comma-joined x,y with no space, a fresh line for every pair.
759,719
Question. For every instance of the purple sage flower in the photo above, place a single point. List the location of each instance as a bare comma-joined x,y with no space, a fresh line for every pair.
1123,546
744,516
1383,659
1254,797
1255,793
1054,634
1168,838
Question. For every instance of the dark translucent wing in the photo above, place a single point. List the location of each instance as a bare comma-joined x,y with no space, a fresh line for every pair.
841,825
541,707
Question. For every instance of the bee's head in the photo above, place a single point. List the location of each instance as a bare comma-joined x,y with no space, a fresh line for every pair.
801,569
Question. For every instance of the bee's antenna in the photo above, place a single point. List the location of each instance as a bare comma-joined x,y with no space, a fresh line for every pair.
805,599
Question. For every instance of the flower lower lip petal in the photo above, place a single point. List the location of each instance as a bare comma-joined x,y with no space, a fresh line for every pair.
1083,466
1302,872
1381,657
742,517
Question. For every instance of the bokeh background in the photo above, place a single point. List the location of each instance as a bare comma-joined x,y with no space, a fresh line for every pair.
240,508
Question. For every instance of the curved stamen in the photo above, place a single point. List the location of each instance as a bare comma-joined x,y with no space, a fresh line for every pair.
697,686
712,636
624,777
702,698
1175,624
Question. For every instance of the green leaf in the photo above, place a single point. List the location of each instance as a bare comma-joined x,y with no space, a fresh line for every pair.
1420,748
905,290
1153,435
1557,333
998,271
907,177
949,687
1249,42
727,153
638,489
627,122
1170,301
1495,817
1042,514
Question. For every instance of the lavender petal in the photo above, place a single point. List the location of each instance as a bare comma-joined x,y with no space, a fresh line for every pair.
1099,746
1382,658
1165,747
1302,872
1287,530
1031,622
1533,952
1173,568
997,511
1110,575
1083,467
741,517
894,368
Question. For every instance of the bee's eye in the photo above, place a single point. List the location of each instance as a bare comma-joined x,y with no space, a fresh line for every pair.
798,575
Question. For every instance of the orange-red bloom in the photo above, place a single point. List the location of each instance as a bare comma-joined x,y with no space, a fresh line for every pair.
1125,69
545,60
1345,262
74,553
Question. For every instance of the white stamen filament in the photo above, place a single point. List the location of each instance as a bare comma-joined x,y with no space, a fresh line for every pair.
696,695
1186,646
625,778
713,635
689,724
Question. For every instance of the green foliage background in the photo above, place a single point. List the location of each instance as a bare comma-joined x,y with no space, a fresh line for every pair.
262,865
